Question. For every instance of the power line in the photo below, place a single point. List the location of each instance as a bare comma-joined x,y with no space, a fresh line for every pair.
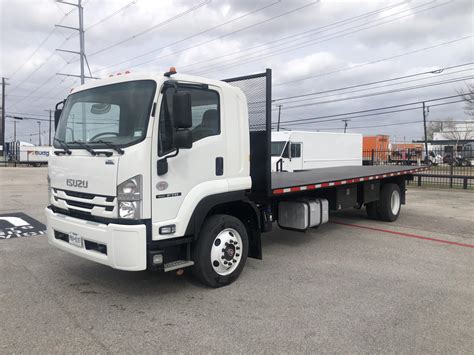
48,36
320,119
316,30
305,44
25,113
378,108
381,92
223,36
27,118
152,28
108,17
48,80
377,61
45,61
407,88
378,126
194,35
435,71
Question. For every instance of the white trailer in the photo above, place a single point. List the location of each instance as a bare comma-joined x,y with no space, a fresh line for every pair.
170,171
35,155
303,150
28,154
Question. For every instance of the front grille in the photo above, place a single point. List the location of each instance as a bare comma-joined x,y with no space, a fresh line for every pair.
88,206
87,196
85,203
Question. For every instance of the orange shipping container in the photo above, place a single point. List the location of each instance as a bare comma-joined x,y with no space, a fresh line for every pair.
379,144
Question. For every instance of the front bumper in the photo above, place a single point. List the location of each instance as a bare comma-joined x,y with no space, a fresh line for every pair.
125,244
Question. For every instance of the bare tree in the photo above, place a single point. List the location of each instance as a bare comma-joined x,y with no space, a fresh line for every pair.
432,128
468,97
458,131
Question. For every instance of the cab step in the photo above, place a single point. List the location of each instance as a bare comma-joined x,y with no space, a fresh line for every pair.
178,264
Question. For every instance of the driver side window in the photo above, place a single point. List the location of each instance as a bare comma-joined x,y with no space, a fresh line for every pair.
205,116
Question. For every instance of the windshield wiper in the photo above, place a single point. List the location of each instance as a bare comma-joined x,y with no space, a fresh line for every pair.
64,146
85,146
110,145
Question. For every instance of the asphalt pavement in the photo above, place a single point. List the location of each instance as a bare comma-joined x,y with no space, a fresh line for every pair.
361,286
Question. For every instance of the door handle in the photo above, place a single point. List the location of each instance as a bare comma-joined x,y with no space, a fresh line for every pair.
219,166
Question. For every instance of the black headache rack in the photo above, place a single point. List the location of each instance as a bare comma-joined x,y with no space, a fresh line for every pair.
258,90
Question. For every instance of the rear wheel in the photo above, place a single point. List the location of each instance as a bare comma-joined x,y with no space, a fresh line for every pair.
389,205
221,250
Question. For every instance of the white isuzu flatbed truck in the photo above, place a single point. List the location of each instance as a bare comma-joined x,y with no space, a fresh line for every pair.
172,171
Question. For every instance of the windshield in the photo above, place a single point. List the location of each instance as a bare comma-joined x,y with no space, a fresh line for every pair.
277,149
116,114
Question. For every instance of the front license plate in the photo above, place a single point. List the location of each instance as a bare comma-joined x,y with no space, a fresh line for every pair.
75,239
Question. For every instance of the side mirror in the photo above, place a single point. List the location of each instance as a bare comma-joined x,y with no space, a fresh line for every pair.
183,139
57,115
162,166
182,116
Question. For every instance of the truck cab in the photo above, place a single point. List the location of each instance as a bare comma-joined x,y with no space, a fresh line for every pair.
137,163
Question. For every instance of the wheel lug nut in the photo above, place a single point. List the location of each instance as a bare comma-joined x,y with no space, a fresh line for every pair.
234,260
235,243
237,254
230,264
223,250
225,262
238,248
222,257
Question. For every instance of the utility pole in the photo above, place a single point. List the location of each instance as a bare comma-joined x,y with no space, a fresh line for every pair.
425,113
279,115
81,53
39,132
15,118
345,124
49,131
2,124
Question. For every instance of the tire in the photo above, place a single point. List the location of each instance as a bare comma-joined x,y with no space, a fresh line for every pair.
372,210
211,260
389,205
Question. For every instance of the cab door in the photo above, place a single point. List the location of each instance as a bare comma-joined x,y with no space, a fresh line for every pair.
192,173
296,156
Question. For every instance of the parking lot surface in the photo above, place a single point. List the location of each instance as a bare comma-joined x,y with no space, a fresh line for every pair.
361,286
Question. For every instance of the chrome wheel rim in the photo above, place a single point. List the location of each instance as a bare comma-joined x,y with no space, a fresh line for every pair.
395,202
226,251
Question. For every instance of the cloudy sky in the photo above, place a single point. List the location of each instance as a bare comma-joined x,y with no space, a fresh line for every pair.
312,47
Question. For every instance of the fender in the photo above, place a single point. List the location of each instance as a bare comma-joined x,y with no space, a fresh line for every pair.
223,200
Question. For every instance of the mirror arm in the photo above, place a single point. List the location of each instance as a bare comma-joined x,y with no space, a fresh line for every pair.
162,164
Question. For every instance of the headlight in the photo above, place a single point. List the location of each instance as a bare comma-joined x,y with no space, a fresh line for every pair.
129,196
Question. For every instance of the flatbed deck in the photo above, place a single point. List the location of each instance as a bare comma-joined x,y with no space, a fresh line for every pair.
287,182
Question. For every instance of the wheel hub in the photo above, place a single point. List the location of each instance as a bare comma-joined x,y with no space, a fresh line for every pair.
226,251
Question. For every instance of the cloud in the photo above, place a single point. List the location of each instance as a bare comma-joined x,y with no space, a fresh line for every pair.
240,37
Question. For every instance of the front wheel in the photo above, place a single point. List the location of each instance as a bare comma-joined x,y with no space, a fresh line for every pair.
221,250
